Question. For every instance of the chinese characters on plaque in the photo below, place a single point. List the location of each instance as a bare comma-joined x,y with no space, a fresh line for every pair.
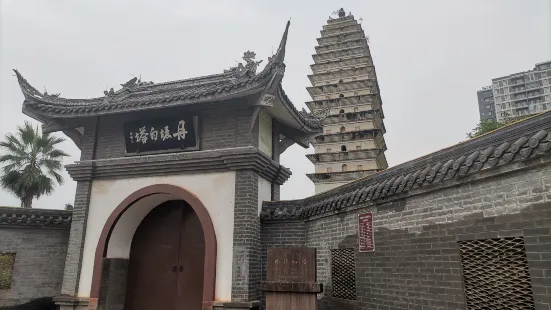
366,238
161,134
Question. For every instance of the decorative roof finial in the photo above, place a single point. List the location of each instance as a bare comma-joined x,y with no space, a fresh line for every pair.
342,13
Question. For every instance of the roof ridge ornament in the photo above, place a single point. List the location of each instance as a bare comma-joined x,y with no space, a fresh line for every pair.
340,13
133,83
46,95
245,71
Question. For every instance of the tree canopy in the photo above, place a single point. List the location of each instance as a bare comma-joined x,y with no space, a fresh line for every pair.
489,125
31,163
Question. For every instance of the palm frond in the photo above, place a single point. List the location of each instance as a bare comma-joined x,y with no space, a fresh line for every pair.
58,178
50,164
57,153
45,186
31,163
10,182
12,158
27,133
12,145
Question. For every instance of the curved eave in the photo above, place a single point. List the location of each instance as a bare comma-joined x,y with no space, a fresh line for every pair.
50,110
304,123
213,88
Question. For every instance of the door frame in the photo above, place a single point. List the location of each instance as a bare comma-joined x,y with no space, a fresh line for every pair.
209,272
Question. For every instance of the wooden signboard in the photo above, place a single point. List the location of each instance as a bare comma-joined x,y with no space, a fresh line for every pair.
157,135
366,237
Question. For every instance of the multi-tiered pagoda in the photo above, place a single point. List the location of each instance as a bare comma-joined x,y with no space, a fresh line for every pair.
345,94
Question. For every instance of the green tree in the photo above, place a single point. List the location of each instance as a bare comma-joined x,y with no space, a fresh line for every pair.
485,126
488,125
31,163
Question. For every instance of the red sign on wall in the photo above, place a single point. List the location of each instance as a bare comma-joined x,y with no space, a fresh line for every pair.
366,238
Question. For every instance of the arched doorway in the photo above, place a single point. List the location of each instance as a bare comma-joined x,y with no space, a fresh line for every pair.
166,260
120,228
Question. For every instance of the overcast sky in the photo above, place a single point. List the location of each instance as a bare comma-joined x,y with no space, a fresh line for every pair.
431,56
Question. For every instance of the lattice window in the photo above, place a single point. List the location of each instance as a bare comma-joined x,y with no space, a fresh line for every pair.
496,276
6,270
343,274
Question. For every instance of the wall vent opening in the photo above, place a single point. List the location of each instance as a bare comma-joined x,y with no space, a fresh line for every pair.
495,274
343,274
7,261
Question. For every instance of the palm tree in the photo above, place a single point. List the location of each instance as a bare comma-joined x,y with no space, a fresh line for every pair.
32,163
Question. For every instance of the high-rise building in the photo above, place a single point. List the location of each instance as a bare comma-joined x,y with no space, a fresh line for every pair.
486,106
523,93
345,94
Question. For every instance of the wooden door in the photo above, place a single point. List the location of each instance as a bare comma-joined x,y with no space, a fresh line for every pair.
191,260
166,260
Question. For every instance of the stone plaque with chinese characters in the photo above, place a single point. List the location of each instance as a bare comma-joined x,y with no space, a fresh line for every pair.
366,237
291,265
157,135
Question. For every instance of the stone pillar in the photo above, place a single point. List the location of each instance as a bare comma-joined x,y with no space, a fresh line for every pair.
276,152
73,262
246,239
71,275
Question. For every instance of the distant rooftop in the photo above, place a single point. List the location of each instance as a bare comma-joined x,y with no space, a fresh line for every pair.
522,72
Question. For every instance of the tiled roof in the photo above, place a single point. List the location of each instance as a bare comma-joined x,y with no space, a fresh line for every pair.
519,142
136,95
35,217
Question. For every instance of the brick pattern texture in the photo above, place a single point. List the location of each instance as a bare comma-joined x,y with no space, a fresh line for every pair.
219,128
246,238
39,260
416,263
80,215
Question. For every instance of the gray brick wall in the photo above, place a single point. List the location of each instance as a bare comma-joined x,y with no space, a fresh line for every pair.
39,261
246,238
220,127
71,274
416,263
290,234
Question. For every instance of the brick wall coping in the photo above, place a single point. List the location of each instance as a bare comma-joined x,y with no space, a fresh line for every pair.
239,158
519,142
28,217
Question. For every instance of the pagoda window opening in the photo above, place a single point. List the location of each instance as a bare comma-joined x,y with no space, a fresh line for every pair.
343,129
329,169
344,167
341,111
340,81
343,148
341,96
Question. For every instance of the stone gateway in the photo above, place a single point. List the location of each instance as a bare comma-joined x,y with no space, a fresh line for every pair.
170,186
177,205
